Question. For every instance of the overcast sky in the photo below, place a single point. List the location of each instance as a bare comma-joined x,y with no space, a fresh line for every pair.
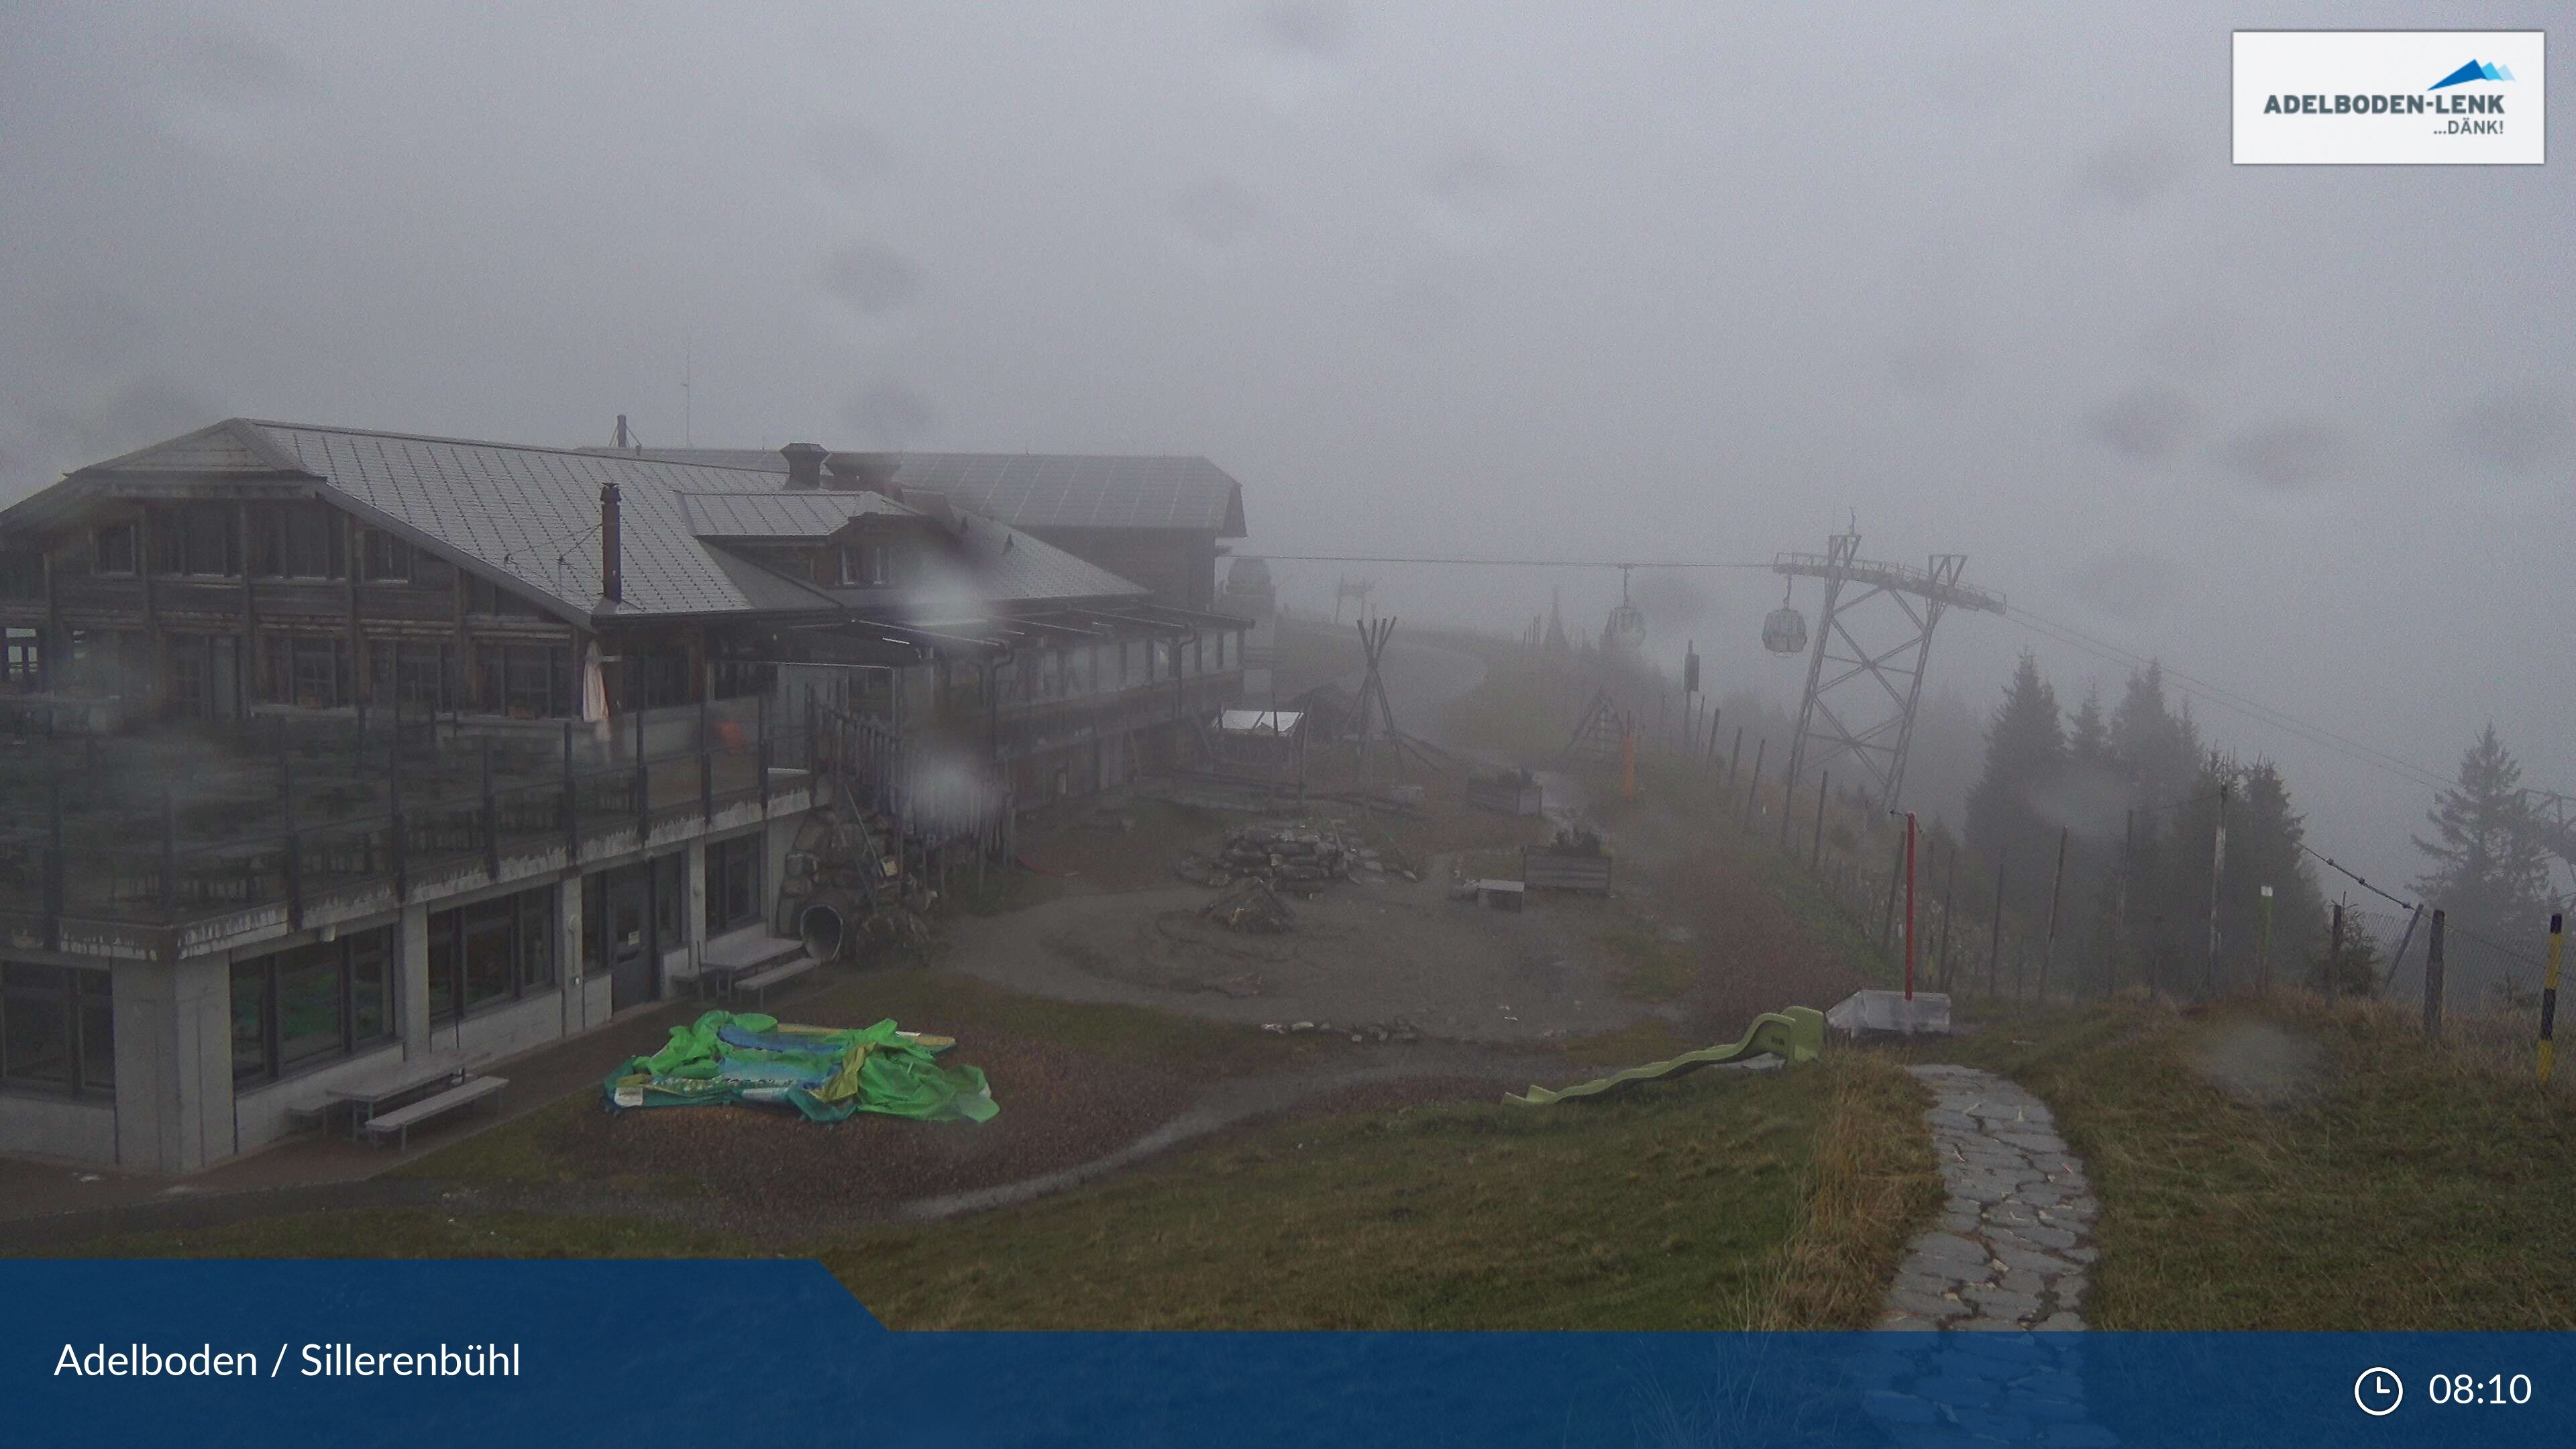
1639,281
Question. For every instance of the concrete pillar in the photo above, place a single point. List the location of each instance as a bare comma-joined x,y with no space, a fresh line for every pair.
411,981
568,963
174,1065
781,838
693,889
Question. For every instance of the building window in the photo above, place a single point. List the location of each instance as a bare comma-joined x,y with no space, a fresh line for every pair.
315,1003
866,566
733,882
415,675
115,549
652,681
57,1030
387,559
490,952
22,574
22,661
196,538
527,681
309,670
296,541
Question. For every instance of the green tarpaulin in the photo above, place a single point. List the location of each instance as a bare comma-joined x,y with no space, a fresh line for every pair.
824,1073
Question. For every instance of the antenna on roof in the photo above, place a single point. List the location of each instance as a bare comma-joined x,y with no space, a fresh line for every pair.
688,421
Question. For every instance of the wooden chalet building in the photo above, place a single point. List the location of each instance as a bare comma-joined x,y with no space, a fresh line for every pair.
342,750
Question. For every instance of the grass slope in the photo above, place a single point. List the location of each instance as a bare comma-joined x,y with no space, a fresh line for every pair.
1710,1203
2407,1190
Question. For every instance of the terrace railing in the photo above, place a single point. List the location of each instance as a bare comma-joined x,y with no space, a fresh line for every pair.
330,811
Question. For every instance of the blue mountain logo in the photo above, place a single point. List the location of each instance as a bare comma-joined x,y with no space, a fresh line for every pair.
2473,71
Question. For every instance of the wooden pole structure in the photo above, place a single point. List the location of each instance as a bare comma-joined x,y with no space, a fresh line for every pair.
2433,982
1733,755
2549,992
1949,895
1755,793
2217,872
2334,954
2056,887
1995,942
1816,859
1909,905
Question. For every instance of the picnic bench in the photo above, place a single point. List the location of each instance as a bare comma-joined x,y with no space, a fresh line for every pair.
399,1122
397,1082
759,982
750,960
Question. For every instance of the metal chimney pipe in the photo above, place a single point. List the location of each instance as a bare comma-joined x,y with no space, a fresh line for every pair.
612,571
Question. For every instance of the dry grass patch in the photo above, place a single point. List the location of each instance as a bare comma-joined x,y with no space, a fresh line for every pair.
1873,1184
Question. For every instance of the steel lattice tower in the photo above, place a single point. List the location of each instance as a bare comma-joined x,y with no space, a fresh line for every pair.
1864,706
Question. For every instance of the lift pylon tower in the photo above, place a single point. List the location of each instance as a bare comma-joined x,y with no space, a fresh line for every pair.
1861,697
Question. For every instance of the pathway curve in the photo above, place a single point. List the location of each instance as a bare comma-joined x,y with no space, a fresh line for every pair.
2013,1249
2010,1255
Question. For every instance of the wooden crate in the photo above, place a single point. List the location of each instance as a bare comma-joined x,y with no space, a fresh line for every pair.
1507,797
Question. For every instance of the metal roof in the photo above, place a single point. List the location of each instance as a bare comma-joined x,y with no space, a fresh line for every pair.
1044,490
529,517
780,515
533,514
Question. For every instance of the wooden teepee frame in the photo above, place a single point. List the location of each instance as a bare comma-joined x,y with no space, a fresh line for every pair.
1603,730
1374,716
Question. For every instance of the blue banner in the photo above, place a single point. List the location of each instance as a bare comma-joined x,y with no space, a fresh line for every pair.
499,1354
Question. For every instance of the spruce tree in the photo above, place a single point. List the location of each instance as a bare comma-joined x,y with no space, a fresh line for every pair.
2489,868
2015,805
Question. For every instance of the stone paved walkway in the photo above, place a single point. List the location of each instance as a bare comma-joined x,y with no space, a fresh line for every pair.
2009,1256
2014,1245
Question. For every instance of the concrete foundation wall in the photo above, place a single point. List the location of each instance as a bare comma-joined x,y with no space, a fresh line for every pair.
59,1127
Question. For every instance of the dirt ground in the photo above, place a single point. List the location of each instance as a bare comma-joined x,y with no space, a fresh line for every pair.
1358,953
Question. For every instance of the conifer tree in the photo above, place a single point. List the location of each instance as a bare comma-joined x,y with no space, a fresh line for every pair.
2015,805
2489,869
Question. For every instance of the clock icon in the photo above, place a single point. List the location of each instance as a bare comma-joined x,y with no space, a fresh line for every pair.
2378,1392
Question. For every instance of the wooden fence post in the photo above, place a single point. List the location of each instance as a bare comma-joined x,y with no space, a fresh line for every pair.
1995,943
2433,981
1824,787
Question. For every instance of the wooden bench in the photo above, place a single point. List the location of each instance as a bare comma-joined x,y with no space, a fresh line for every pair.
400,1121
758,983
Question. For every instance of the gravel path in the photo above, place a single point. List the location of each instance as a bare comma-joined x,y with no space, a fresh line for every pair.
2012,1249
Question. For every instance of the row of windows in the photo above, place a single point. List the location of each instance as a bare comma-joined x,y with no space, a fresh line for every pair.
57,1030
1106,668
328,1000
286,541
490,952
312,1003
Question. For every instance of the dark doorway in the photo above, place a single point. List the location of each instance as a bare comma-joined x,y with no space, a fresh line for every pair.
634,957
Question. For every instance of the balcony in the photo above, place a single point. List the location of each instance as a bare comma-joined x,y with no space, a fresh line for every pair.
180,841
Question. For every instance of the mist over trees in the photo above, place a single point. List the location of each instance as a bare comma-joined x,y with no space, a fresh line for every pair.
2134,797
2489,869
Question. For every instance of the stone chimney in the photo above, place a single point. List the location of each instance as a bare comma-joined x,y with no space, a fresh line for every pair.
804,464
865,473
612,547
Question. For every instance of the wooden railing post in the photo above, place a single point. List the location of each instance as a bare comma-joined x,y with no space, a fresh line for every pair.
571,806
491,817
169,848
643,785
55,875
764,755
